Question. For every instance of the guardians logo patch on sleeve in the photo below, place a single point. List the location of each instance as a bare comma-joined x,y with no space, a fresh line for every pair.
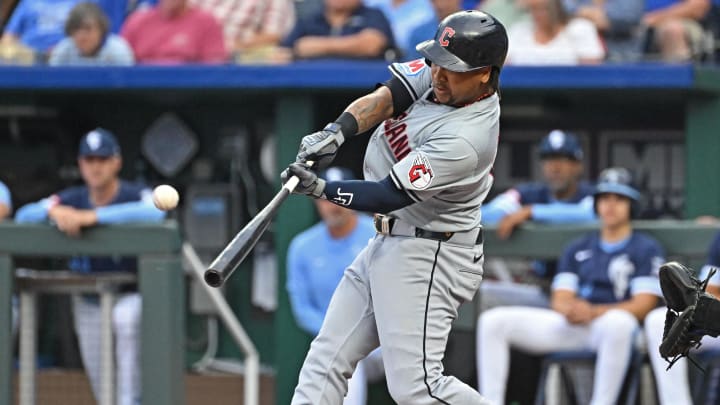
420,174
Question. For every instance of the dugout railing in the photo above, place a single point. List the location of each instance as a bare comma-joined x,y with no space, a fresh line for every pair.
161,283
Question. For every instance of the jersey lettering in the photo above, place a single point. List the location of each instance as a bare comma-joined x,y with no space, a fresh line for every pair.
396,135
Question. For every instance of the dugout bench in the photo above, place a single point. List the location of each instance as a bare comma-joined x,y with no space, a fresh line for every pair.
161,283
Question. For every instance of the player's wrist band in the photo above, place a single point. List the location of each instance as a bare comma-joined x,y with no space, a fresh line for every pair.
348,124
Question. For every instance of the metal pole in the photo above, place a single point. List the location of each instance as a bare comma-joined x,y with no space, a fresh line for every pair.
252,358
107,363
28,331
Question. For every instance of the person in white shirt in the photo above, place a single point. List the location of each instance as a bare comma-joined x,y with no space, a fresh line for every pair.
551,37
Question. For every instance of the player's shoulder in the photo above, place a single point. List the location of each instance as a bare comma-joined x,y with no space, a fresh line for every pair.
532,192
410,68
586,242
72,194
132,188
585,189
642,242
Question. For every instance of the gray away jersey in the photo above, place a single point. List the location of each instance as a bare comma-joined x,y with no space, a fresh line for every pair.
440,155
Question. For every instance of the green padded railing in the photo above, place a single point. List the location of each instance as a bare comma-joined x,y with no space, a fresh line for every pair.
161,280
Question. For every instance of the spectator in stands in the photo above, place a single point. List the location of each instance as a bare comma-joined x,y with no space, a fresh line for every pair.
89,41
562,198
38,24
676,27
317,260
617,21
672,385
507,11
404,17
175,32
606,284
425,31
345,28
552,37
118,10
251,24
103,199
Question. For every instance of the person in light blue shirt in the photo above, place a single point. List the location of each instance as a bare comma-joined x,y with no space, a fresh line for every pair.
404,17
316,261
103,199
425,31
89,41
38,24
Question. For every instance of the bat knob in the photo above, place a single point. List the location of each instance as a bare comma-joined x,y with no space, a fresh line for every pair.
213,278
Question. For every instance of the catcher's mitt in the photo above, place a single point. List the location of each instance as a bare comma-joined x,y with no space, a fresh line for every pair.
692,313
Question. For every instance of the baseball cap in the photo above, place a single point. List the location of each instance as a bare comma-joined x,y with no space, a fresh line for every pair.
336,173
617,180
561,143
99,142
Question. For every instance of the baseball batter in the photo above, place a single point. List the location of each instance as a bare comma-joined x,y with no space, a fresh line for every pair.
427,166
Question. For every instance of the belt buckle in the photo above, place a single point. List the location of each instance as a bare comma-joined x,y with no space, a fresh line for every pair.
383,223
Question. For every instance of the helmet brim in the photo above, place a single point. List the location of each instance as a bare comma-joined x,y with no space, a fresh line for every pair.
619,189
440,56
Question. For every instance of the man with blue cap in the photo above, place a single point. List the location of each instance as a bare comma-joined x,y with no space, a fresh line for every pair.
316,261
606,284
103,199
561,198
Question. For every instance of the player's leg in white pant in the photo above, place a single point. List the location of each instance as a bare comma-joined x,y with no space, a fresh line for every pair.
417,286
612,337
357,386
347,335
374,368
369,369
126,327
673,386
534,330
87,318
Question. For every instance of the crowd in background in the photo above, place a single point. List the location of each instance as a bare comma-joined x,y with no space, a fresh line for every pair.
542,32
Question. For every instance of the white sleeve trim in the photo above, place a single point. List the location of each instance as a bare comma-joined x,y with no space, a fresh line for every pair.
645,285
566,281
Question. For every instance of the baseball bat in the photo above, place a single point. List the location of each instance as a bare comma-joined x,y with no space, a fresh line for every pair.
235,252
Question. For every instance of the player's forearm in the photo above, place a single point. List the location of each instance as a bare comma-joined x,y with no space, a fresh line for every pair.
372,109
368,196
33,212
562,301
137,211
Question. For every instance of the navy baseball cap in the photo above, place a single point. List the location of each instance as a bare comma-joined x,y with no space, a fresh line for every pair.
561,143
99,142
336,173
617,180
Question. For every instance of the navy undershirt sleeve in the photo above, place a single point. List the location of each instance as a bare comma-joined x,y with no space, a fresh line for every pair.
370,196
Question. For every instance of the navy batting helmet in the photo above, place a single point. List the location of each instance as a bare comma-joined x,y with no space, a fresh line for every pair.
617,180
467,40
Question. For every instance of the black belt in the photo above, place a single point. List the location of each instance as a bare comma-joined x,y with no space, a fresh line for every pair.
385,224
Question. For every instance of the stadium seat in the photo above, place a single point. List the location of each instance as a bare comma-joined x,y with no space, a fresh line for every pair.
586,359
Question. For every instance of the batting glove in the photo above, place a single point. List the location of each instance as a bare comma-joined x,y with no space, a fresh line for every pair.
321,147
310,184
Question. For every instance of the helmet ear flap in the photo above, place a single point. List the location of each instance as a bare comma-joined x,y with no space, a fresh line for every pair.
428,62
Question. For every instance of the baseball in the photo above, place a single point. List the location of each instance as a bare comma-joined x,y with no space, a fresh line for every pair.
165,197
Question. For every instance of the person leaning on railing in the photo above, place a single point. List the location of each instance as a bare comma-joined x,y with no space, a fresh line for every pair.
103,199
